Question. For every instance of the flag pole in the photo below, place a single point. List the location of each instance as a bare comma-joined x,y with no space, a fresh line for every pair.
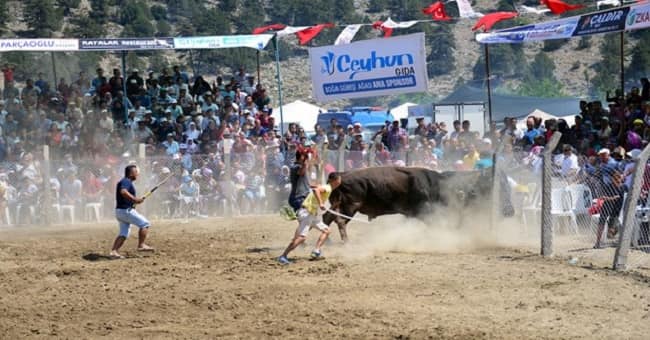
259,78
277,75
489,87
54,71
124,97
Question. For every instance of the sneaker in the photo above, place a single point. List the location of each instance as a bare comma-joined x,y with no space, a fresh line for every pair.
283,260
315,254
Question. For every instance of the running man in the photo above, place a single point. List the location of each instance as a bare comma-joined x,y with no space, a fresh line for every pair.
126,214
309,217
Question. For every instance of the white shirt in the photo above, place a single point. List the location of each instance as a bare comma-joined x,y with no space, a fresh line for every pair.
569,164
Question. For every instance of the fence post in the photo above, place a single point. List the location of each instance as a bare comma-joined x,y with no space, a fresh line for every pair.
227,147
323,161
496,189
547,187
629,211
47,191
144,170
341,158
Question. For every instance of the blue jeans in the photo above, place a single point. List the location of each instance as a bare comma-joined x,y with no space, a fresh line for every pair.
126,217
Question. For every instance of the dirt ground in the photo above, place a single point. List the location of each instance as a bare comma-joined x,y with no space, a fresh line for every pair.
217,278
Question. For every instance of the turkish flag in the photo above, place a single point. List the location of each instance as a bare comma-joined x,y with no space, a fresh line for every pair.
488,20
310,33
436,11
559,7
274,27
379,25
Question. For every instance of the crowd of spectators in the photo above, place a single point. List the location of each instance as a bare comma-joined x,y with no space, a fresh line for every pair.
220,141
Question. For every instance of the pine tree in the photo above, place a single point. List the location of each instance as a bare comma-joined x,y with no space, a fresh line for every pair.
608,69
42,16
4,15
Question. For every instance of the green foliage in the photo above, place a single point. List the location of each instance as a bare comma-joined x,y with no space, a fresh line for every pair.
505,5
158,12
86,27
539,80
99,11
542,67
4,15
640,62
68,5
505,61
134,11
210,22
554,45
228,5
376,6
584,43
608,68
42,17
250,16
163,29
546,88
139,28
440,60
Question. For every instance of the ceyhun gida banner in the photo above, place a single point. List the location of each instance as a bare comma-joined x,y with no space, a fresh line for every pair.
369,68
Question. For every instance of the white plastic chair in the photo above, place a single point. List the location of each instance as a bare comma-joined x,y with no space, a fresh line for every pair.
69,208
561,206
532,205
93,210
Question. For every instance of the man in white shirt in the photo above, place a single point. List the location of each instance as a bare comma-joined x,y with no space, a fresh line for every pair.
568,162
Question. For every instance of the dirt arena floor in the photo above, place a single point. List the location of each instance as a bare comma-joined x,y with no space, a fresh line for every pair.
217,278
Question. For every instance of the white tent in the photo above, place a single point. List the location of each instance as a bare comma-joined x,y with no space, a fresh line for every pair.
521,123
402,111
299,112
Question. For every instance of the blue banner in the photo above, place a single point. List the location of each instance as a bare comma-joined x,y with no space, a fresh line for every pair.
612,20
122,44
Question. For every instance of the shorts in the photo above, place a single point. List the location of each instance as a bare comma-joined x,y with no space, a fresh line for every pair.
126,217
307,221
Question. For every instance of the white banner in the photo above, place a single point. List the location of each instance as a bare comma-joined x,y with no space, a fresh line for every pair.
465,10
638,17
347,34
369,68
39,45
291,30
257,41
556,29
403,24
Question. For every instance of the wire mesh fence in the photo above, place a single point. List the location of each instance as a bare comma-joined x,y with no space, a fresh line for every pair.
586,200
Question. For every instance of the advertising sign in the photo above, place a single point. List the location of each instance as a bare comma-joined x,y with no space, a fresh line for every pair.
369,68
38,45
639,17
612,20
556,29
121,44
257,41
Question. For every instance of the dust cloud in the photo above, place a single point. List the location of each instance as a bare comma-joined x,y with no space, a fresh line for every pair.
447,231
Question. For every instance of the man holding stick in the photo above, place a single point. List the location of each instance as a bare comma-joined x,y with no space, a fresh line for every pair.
126,214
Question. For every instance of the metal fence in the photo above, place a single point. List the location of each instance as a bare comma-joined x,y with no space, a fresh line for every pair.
593,208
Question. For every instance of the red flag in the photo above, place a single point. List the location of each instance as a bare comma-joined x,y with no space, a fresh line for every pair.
436,11
488,20
310,33
274,27
379,25
559,7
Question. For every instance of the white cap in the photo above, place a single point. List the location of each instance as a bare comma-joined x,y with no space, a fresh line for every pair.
603,151
487,141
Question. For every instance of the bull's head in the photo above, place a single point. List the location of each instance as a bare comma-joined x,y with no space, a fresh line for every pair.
329,217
